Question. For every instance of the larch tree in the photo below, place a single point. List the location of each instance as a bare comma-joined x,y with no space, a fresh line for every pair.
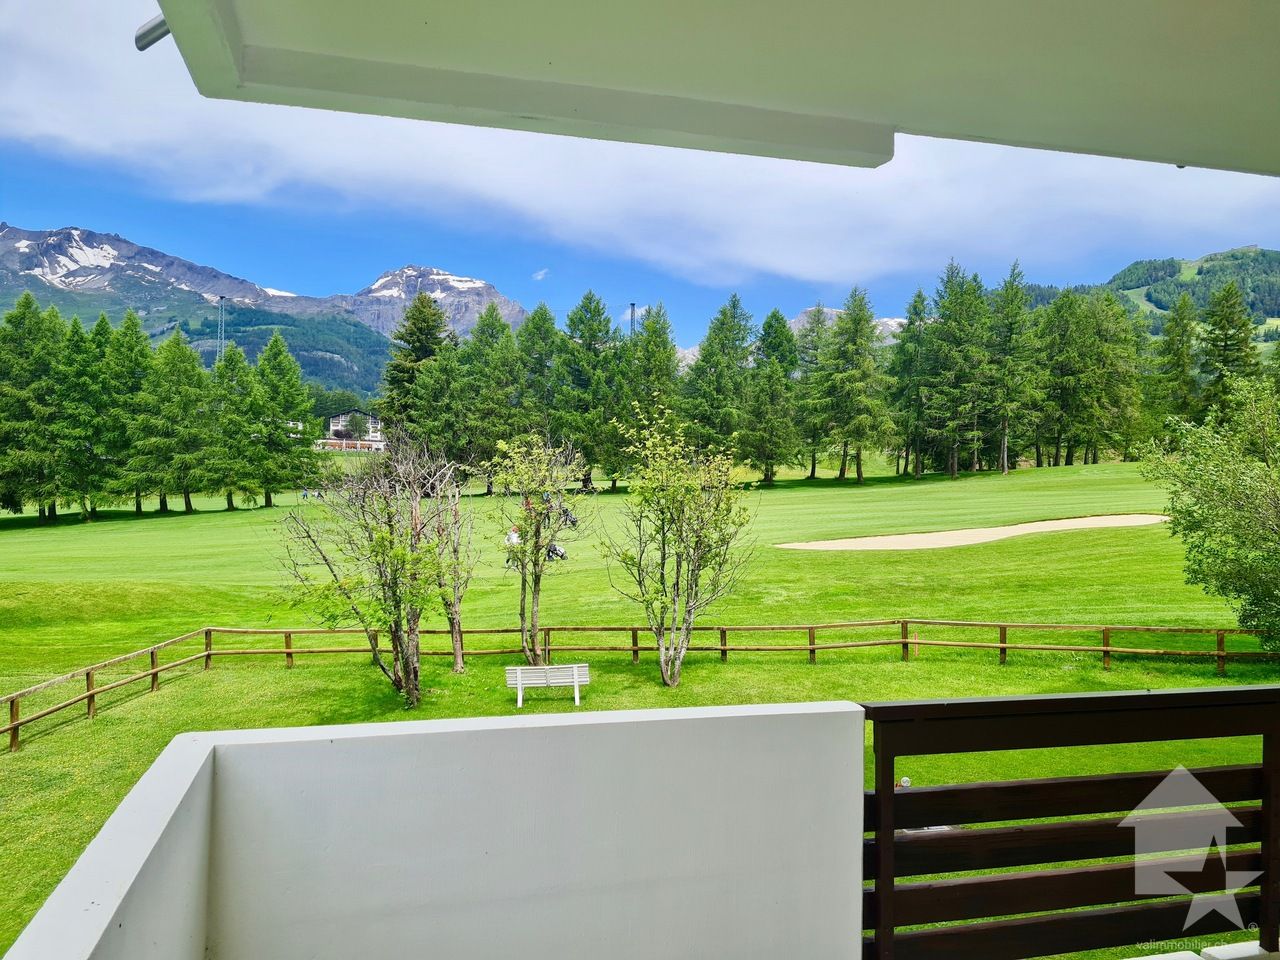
540,342
586,390
958,396
492,372
1226,343
170,436
1178,387
128,360
437,413
768,436
715,388
31,342
852,385
654,366
286,427
416,340
1015,368
236,449
811,420
76,427
777,342
908,370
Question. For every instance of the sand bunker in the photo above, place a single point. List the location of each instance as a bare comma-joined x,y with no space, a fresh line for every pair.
961,538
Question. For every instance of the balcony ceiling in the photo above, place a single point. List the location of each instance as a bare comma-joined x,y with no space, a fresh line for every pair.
1178,81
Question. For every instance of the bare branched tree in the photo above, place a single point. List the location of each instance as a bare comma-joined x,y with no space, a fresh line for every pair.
369,554
542,514
450,520
682,544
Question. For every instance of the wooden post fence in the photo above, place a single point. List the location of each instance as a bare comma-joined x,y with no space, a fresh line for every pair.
1222,649
288,650
1004,645
546,644
724,644
155,676
635,645
208,649
1106,649
813,650
91,703
905,636
13,724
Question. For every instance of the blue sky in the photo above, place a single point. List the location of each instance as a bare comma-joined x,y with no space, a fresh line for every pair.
93,134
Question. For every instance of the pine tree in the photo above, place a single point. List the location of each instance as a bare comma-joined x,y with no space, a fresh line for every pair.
128,358
492,370
236,450
1227,343
286,429
171,434
778,342
587,392
76,428
810,411
1109,403
416,340
852,386
768,436
715,389
654,366
909,376
1015,372
960,364
1178,388
540,343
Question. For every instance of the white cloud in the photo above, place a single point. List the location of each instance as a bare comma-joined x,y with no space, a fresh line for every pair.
75,87
540,274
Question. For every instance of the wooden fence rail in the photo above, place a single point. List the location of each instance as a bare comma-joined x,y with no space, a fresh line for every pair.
908,639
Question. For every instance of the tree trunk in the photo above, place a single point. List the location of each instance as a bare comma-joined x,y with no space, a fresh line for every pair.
534,637
164,502
266,499
1004,447
918,468
53,511
1071,453
857,462
43,517
524,618
187,506
813,463
844,461
586,479
613,484
1057,450
93,511
231,500
768,475
137,501
1039,452
455,636
953,462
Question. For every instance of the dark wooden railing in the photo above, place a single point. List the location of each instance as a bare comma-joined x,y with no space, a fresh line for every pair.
559,639
1050,910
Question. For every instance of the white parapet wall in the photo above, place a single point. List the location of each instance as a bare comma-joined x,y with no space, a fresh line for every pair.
726,831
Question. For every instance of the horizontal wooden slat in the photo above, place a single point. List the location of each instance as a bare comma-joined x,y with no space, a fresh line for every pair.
1051,797
1056,933
952,851
973,898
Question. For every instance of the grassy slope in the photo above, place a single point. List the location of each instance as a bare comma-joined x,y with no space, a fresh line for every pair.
82,592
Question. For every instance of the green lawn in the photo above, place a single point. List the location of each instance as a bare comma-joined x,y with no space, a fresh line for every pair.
77,593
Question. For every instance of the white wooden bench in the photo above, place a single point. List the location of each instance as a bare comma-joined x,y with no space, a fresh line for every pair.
574,675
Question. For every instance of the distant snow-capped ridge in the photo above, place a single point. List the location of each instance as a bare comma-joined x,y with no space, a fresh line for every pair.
888,326
82,261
